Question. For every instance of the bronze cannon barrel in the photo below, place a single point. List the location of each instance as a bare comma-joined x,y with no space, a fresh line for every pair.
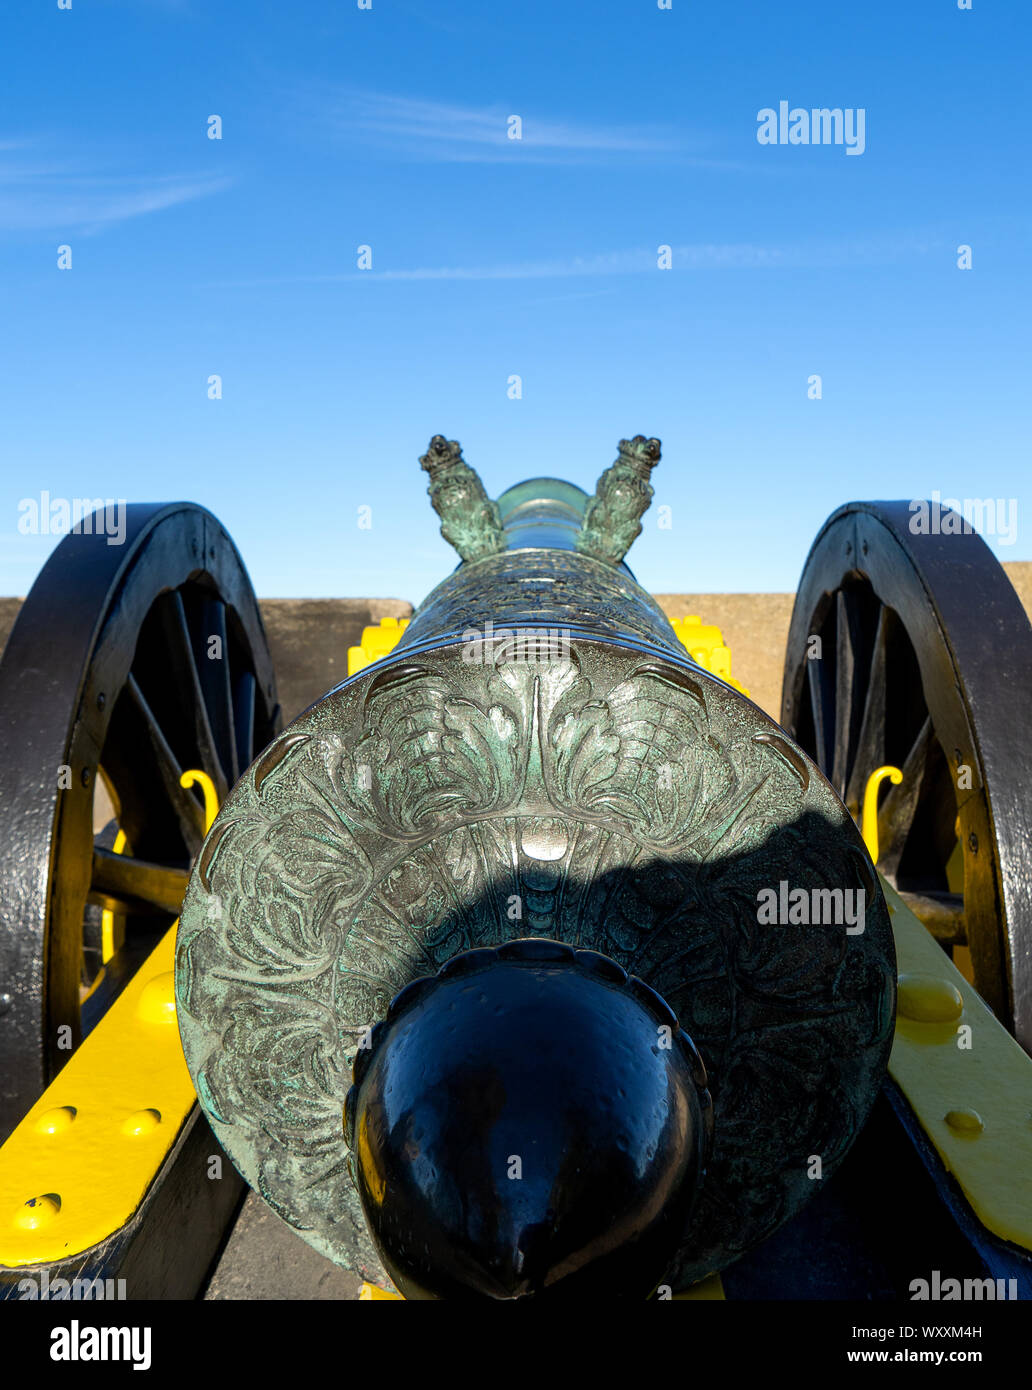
534,960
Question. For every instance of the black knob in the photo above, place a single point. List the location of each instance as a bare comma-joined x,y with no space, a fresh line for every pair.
530,1122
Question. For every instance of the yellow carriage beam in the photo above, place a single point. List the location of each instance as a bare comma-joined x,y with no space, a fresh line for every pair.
78,1166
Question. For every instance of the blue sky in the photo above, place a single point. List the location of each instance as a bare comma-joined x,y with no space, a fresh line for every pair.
495,257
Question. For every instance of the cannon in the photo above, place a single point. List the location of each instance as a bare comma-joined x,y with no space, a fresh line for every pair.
533,960
534,950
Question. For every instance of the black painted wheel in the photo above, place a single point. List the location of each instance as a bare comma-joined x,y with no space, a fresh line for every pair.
925,663
128,665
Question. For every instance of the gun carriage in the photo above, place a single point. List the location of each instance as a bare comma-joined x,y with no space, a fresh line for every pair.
534,959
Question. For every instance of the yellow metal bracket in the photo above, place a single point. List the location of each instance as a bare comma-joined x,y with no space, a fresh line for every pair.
376,642
80,1163
869,814
372,1293
109,937
704,643
965,1078
211,799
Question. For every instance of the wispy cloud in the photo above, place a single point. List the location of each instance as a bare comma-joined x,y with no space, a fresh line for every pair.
701,256
410,127
57,197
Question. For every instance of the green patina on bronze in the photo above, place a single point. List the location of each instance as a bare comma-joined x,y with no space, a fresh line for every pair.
613,520
626,799
469,519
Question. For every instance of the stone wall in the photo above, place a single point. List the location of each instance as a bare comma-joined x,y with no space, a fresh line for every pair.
309,638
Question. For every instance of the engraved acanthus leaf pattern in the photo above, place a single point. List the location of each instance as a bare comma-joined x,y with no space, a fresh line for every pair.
292,879
421,758
623,757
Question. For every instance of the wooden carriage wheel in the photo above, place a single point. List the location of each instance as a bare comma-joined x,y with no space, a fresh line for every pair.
924,661
128,664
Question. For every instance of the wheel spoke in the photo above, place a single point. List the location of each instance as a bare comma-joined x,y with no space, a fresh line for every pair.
897,812
243,718
847,641
818,705
870,744
179,652
211,658
941,913
130,886
188,812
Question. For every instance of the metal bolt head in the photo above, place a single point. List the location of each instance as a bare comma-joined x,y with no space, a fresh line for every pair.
84,777
973,843
6,1000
